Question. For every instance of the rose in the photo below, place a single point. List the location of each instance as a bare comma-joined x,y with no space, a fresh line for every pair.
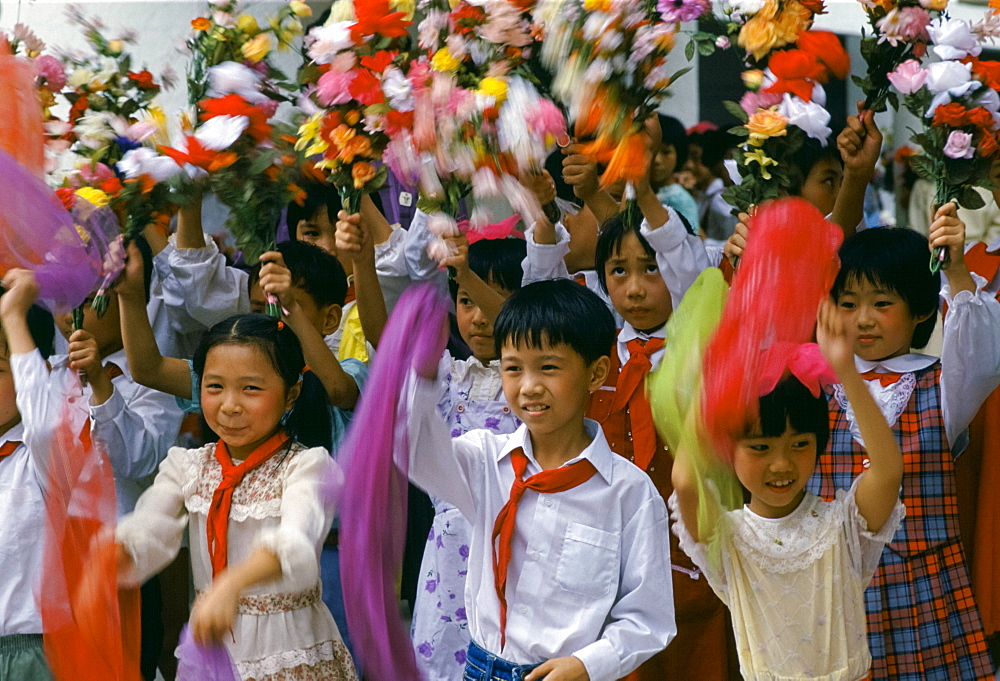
908,77
988,145
758,36
792,21
52,71
248,25
300,9
959,145
766,123
753,79
811,117
362,172
953,39
986,71
256,48
826,48
951,114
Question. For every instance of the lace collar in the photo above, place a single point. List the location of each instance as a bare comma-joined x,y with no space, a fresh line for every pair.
783,545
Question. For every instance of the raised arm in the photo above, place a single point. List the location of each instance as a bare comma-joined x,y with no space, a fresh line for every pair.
190,233
860,144
148,367
878,488
482,294
356,236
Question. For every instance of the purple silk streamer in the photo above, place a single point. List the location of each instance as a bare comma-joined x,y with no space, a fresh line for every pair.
373,508
37,233
195,663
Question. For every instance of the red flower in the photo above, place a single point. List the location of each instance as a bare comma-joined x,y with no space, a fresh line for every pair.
378,62
980,117
67,196
951,114
367,88
111,186
986,71
143,79
796,72
373,17
826,47
397,121
76,111
467,17
201,157
988,144
234,105
814,6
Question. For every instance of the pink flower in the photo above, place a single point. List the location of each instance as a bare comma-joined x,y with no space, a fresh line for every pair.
906,24
959,145
908,77
52,71
96,173
268,106
673,11
752,101
547,119
333,88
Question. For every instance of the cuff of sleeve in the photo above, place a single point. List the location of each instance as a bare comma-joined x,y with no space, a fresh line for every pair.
548,252
101,413
601,661
668,236
296,555
193,255
964,297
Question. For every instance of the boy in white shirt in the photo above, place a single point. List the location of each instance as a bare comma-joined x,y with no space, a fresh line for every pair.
569,567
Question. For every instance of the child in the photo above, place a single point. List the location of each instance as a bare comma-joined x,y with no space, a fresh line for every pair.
486,273
25,344
578,584
922,618
671,156
252,506
791,568
707,153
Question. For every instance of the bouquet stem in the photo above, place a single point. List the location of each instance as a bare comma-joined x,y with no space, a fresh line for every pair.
77,326
940,259
350,198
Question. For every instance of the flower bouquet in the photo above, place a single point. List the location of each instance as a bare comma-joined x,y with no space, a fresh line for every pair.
358,95
609,61
783,106
958,102
899,33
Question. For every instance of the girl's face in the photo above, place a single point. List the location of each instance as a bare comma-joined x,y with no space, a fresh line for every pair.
822,184
775,470
664,166
636,287
882,319
476,330
242,397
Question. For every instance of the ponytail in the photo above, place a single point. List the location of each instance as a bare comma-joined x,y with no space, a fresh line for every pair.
309,420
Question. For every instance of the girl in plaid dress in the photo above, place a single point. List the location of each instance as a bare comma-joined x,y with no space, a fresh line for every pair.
923,623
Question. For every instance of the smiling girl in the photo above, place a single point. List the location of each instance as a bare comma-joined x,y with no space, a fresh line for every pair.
251,502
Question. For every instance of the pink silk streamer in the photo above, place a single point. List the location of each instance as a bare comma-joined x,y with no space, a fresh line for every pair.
805,362
195,663
373,501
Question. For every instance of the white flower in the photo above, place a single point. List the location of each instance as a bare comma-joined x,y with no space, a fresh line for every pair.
947,79
79,77
224,19
812,118
231,78
398,89
327,41
145,161
221,132
745,7
953,39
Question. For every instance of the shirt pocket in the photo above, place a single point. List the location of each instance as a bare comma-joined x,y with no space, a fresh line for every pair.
588,563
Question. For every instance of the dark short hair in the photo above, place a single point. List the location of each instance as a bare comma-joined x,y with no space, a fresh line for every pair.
42,328
715,144
309,420
497,262
893,258
318,196
805,157
791,403
557,311
315,271
675,136
609,241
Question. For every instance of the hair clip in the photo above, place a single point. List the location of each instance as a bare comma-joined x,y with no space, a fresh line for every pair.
281,325
306,369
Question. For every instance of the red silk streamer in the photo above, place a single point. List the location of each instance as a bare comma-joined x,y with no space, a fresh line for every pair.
91,627
786,270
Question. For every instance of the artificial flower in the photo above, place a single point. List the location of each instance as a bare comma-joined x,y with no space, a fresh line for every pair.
947,79
934,5
366,88
752,79
795,71
145,161
248,24
766,123
398,89
676,11
201,24
443,61
231,78
327,41
374,18
143,79
51,71
988,145
752,101
758,36
986,71
811,117
493,87
959,145
234,105
333,88
908,77
826,48
95,197
759,157
953,39
300,8
258,47
221,132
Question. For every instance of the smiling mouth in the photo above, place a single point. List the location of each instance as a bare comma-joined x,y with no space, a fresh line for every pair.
535,408
780,485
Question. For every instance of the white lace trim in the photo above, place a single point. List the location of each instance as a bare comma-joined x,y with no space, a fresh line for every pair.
238,512
791,543
891,401
289,659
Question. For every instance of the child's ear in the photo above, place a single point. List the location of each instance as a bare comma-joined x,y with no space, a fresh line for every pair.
293,395
599,372
920,319
331,319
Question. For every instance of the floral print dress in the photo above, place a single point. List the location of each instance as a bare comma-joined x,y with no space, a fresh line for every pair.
472,398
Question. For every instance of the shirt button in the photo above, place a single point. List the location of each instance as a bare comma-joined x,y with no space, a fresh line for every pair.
536,556
866,463
548,502
72,400
523,609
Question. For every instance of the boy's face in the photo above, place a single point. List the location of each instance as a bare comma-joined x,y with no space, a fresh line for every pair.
549,387
635,286
775,470
324,319
319,231
107,330
8,403
822,184
476,330
664,166
882,320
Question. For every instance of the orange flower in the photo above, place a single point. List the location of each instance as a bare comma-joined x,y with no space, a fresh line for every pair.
352,117
298,194
341,135
758,36
201,24
146,183
359,145
111,186
826,47
986,71
234,105
988,144
362,172
766,123
201,157
791,22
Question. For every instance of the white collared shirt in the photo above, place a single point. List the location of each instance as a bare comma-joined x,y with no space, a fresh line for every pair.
590,569
22,533
135,426
628,333
970,364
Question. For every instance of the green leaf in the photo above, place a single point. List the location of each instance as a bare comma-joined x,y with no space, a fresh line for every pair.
736,110
706,49
924,167
739,131
958,170
970,199
680,72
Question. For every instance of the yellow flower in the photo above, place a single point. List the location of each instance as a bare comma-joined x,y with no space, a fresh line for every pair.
342,10
309,131
409,7
791,21
766,123
95,196
115,46
443,61
493,87
300,9
753,79
758,156
248,24
758,36
597,5
257,48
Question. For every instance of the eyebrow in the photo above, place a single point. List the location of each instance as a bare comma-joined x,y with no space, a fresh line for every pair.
216,377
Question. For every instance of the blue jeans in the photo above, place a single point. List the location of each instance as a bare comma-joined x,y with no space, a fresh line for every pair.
483,666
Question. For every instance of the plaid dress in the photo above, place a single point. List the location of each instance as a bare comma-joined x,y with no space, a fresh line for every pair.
923,623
